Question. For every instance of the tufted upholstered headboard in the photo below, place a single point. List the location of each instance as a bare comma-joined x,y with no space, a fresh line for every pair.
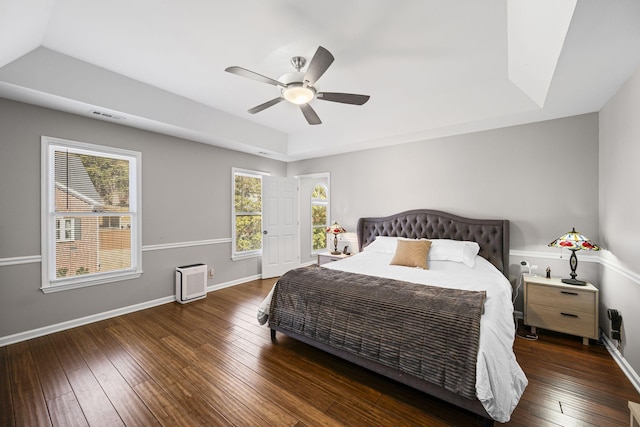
492,235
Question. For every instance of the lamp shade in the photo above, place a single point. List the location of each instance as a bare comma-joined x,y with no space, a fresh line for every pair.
574,241
336,228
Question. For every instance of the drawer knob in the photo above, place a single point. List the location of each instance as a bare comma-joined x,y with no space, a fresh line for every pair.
568,293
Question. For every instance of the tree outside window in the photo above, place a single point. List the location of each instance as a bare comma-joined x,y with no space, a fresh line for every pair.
319,206
247,207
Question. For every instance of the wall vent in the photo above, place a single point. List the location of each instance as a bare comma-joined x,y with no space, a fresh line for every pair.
106,115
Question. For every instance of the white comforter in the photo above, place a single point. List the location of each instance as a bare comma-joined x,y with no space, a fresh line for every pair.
500,381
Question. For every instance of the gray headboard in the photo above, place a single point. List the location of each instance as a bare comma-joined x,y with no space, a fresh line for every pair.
492,235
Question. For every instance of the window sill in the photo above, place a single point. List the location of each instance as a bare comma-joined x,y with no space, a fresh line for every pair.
92,282
246,256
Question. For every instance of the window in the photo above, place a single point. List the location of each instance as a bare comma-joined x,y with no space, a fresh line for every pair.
247,213
319,224
65,229
111,222
90,214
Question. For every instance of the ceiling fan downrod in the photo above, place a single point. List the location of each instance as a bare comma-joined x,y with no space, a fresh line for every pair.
298,62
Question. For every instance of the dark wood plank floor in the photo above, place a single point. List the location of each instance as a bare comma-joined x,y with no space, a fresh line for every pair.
209,363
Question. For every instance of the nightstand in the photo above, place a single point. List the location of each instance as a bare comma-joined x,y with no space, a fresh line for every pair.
326,257
551,304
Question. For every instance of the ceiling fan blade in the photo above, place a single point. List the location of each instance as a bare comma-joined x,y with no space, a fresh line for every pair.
318,65
345,98
251,75
265,105
310,114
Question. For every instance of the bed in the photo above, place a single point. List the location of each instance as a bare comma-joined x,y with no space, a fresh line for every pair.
384,318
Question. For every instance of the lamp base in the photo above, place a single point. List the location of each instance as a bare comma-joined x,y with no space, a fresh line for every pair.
574,282
336,253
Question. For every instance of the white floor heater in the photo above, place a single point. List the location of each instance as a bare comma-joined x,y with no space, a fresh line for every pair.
191,283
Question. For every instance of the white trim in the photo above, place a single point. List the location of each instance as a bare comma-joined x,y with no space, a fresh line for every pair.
622,362
97,281
597,258
164,246
30,259
547,255
5,262
45,330
622,270
34,333
247,255
233,283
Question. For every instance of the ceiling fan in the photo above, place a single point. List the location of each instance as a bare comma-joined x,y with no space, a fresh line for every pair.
298,88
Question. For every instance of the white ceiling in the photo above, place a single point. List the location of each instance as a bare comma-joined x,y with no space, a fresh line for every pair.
432,67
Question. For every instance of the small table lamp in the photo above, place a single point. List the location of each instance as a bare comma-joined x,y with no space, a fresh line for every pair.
574,241
335,229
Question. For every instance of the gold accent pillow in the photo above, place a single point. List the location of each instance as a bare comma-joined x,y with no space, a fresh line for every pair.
412,253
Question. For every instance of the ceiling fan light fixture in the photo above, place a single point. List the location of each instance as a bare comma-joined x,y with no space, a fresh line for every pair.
298,88
298,94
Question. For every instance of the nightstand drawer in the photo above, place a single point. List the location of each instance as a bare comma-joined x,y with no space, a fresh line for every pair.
329,257
562,320
569,299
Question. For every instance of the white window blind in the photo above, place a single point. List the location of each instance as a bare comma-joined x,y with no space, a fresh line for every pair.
91,214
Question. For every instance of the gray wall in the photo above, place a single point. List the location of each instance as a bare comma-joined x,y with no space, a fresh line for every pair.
620,212
523,173
542,177
186,197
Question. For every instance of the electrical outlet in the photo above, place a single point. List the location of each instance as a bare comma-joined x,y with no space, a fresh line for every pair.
211,273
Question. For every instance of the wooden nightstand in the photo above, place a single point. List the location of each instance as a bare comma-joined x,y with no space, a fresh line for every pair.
551,304
326,257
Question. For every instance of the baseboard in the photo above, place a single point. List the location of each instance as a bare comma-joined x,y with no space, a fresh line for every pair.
629,372
46,330
232,283
58,327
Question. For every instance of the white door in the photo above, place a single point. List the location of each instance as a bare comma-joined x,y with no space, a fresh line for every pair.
280,231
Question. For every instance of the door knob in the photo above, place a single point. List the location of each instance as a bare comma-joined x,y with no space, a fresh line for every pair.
265,232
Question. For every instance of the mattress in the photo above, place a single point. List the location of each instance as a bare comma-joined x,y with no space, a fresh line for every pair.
500,381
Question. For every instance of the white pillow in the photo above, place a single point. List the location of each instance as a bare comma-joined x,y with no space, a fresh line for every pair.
454,250
383,244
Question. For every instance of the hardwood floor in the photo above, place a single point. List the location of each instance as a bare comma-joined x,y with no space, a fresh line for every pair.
210,363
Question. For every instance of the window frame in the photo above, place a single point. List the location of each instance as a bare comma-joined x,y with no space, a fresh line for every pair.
235,255
50,283
319,202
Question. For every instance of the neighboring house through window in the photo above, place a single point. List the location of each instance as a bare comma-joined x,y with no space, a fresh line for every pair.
88,193
319,218
65,230
247,213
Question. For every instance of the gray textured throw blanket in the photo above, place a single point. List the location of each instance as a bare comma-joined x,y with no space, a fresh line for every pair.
429,332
